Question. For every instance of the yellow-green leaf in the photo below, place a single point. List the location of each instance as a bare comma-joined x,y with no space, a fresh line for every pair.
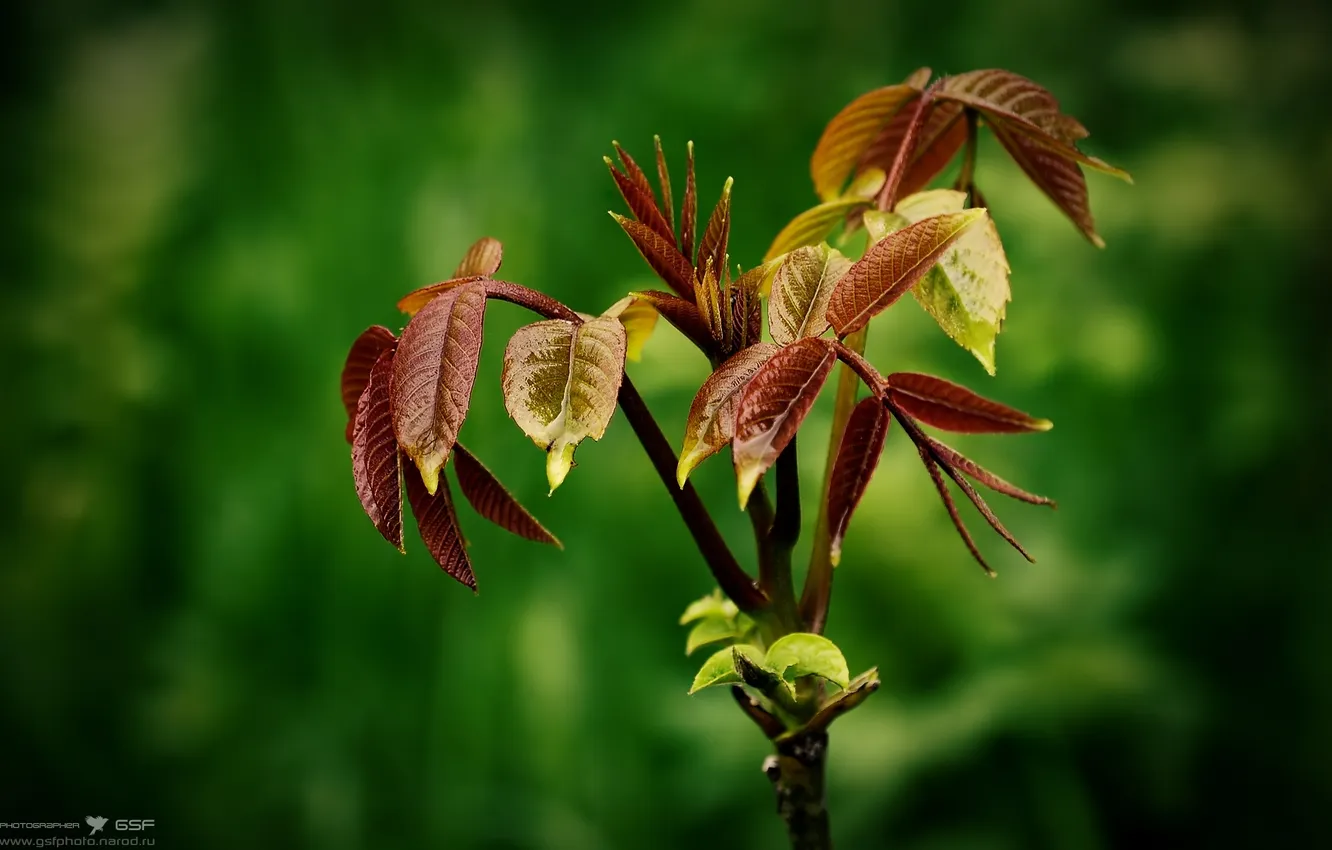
639,318
799,302
812,226
803,654
719,669
712,605
711,630
560,384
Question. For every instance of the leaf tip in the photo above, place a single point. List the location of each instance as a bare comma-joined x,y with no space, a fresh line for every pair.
747,479
559,460
1041,424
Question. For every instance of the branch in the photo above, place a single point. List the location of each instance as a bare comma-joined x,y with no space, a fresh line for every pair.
797,774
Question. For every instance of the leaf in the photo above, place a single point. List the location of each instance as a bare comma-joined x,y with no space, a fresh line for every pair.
669,264
798,306
638,195
689,210
856,692
711,422
433,375
948,456
1060,179
951,407
879,223
664,179
483,258
803,654
560,384
719,669
892,266
492,500
812,226
857,458
639,318
713,245
712,605
937,478
850,133
707,296
711,630
375,460
414,301
683,316
942,134
967,292
775,402
438,523
372,342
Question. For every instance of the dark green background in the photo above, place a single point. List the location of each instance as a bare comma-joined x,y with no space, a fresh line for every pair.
203,203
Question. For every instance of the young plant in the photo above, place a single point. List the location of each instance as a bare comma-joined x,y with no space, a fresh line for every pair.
407,396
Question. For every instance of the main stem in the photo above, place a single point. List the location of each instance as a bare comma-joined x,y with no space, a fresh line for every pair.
797,772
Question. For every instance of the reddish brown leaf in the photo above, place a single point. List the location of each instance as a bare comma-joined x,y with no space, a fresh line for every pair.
661,254
664,178
438,523
482,259
948,456
708,298
682,314
775,403
433,375
1059,178
640,200
951,407
689,211
711,422
849,134
746,321
412,302
857,458
891,267
375,461
372,342
493,501
935,476
635,174
713,246
940,137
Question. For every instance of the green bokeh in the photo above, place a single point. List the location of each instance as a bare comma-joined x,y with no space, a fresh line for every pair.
204,202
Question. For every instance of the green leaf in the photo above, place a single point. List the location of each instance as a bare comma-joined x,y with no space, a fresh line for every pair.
712,630
720,668
879,223
712,605
804,654
560,383
798,305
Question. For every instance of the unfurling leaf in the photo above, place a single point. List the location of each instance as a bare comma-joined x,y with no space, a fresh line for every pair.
683,316
664,178
372,342
707,297
689,209
433,374
639,318
892,266
720,668
638,195
850,133
661,254
813,225
857,458
798,306
711,422
560,384
803,654
713,245
775,402
941,135
414,301
711,630
951,407
375,460
492,500
438,523
483,258
967,292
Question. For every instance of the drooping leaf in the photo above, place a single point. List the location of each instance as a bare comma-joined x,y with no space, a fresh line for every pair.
951,407
857,458
483,258
812,226
682,314
560,384
720,668
967,292
850,133
803,654
689,209
375,459
711,630
437,521
940,137
1059,178
664,179
798,305
948,456
711,422
638,195
433,374
936,478
970,492
372,342
892,266
712,605
639,318
414,301
492,500
774,404
715,237
669,264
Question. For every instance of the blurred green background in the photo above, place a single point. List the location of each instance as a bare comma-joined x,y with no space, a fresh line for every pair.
204,202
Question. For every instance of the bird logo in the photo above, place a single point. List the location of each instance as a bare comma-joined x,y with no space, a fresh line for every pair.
95,823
